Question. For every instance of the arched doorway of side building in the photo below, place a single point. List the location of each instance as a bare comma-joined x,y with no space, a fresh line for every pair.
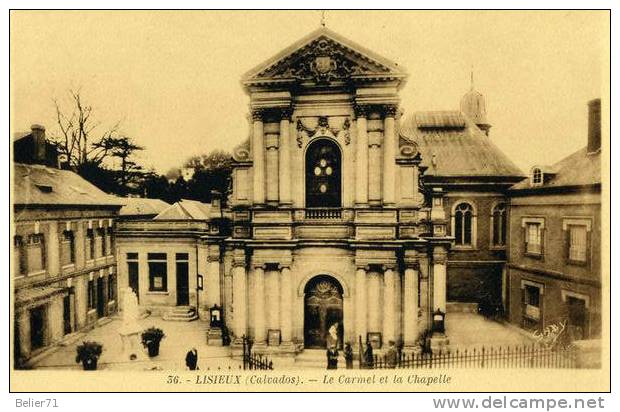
323,313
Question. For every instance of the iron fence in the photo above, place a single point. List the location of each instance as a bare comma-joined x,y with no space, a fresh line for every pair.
527,356
253,361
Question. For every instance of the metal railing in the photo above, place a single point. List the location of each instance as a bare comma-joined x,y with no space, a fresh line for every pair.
527,356
253,361
323,213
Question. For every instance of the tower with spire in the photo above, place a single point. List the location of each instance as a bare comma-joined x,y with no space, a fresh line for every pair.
473,106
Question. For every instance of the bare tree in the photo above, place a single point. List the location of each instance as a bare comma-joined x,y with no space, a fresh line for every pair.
78,139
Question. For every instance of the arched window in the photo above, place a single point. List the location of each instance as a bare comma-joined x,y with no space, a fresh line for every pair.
464,224
323,174
498,222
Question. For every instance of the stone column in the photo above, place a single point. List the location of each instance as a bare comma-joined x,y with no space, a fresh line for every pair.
410,303
259,306
271,167
360,303
388,305
212,281
284,168
361,159
239,299
286,306
80,245
440,257
258,158
389,150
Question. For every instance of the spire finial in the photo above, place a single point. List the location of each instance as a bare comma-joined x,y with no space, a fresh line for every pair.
323,23
471,84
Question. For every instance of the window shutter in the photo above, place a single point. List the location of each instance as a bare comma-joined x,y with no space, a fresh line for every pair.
542,241
567,244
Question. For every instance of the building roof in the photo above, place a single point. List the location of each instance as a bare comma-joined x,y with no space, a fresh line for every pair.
452,146
42,185
186,210
139,206
579,169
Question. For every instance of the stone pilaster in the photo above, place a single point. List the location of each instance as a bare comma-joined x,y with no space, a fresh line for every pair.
258,158
389,152
440,258
212,281
410,303
361,303
271,168
239,296
260,332
284,168
361,158
52,249
286,306
388,305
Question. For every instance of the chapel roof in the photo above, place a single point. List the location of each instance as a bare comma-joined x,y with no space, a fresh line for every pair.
138,206
452,146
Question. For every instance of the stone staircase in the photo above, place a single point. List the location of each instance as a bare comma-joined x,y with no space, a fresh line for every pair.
181,314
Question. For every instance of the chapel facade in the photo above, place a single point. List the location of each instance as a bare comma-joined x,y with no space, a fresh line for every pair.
332,232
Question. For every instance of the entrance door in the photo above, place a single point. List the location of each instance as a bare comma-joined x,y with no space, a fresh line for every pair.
37,327
134,283
323,313
66,314
100,298
182,284
577,319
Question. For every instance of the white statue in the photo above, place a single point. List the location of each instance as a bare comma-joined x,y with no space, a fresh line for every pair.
130,329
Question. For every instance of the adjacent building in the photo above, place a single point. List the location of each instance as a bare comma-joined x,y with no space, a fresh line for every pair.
64,268
555,242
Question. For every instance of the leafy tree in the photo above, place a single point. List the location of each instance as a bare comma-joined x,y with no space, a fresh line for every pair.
130,172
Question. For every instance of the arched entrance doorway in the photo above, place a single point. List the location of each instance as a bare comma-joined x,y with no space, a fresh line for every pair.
323,175
323,312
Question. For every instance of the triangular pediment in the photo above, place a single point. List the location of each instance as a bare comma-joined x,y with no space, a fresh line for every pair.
324,56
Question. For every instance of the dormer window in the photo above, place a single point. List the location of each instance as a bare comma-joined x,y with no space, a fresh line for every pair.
537,176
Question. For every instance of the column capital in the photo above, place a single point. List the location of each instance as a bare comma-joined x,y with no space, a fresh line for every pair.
390,110
440,255
257,115
286,113
360,110
412,264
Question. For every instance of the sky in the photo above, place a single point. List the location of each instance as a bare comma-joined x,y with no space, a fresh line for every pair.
174,77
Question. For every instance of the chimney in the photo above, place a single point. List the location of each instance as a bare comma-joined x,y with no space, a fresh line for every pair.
38,137
594,125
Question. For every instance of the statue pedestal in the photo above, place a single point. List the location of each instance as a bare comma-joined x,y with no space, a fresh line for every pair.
131,342
214,337
439,343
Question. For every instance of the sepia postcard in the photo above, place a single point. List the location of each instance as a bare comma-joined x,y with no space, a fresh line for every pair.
310,201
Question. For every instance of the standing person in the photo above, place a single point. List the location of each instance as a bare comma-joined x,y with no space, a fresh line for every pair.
332,357
391,357
348,355
369,359
191,359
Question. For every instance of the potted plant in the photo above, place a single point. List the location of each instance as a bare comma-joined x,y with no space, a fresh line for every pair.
88,353
151,338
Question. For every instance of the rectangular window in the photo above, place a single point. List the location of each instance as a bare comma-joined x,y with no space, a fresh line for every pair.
577,318
133,272
103,242
90,244
158,272
92,300
67,248
533,240
578,243
36,253
531,300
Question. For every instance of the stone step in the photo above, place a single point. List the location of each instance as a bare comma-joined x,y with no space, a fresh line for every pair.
461,307
181,314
